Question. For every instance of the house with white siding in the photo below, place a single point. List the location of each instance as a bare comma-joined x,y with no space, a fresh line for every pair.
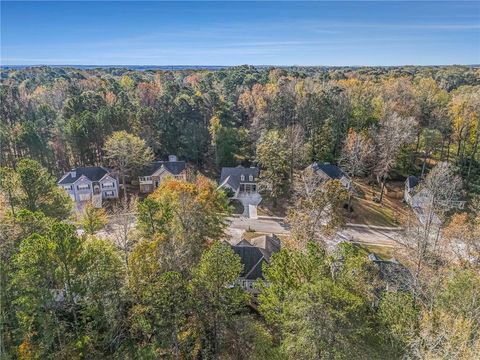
90,184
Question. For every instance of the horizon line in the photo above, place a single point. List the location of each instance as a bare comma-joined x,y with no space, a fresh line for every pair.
225,66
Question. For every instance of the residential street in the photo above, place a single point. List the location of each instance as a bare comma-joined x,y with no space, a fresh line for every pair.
260,225
353,232
370,235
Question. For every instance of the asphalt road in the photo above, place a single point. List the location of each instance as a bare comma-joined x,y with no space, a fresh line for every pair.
354,233
259,225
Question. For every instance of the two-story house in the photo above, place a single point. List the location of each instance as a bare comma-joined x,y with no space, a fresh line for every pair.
242,181
92,183
152,175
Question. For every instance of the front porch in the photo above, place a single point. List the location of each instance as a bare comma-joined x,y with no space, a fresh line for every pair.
247,190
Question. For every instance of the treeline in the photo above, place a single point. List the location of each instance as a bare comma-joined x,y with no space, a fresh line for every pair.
63,116
164,286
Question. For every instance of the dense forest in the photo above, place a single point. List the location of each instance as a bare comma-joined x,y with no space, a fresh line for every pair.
166,289
62,116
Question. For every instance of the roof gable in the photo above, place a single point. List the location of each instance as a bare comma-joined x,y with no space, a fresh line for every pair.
412,181
92,173
173,167
268,244
252,259
231,176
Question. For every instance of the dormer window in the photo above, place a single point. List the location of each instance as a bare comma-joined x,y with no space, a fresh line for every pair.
242,177
250,178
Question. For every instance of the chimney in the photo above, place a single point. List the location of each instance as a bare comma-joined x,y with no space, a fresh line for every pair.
172,158
73,173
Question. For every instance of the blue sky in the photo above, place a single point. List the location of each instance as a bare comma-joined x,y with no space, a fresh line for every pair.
232,33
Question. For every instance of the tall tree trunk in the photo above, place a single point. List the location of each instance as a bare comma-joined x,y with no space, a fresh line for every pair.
176,346
124,186
474,153
10,201
215,335
448,148
443,148
459,146
462,153
418,142
424,163
382,189
292,154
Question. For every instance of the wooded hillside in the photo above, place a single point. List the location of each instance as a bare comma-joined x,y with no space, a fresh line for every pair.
62,116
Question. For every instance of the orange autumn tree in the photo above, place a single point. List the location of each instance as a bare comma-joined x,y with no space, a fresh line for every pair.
185,216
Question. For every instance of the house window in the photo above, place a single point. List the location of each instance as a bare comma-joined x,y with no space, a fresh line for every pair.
83,187
109,193
250,178
84,197
68,187
108,185
145,178
242,177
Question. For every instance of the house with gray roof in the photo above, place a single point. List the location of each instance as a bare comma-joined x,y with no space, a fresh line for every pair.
253,254
89,184
332,172
152,175
241,180
242,183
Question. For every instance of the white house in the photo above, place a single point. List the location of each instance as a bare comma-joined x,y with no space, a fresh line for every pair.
92,183
242,181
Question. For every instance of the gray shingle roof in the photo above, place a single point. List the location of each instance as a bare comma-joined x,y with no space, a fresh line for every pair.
254,253
412,181
268,244
333,171
174,167
231,175
94,173
252,259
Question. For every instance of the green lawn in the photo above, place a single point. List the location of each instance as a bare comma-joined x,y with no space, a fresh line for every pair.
370,213
383,252
367,211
